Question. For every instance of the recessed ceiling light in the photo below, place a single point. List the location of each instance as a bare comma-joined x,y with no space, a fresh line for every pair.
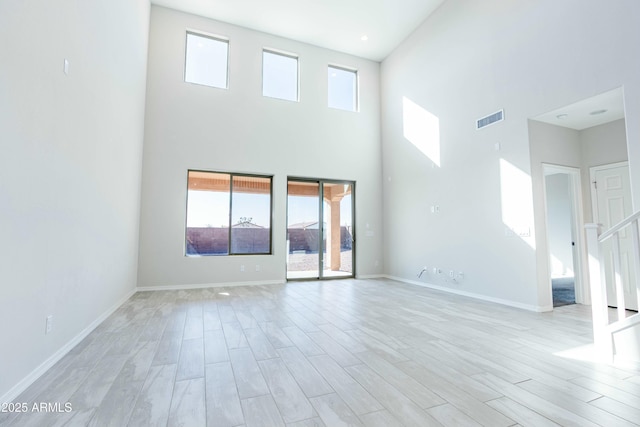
596,112
364,38
562,116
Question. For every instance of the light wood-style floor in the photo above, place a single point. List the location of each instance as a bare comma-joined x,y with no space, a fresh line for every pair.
335,353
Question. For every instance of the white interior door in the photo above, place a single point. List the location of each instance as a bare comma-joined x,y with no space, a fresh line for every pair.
612,203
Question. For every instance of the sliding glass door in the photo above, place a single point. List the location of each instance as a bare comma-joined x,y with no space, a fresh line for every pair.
337,254
303,232
320,249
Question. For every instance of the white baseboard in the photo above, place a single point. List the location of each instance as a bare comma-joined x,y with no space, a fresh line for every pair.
371,276
209,285
538,309
16,390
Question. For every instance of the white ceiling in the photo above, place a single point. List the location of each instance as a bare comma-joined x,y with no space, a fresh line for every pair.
332,24
579,115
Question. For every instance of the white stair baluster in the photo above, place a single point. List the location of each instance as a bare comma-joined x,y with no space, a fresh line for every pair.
635,241
617,275
598,289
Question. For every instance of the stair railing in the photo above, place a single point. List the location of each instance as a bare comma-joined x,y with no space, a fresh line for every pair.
604,328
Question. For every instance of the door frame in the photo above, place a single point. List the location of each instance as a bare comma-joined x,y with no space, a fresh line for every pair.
582,293
321,231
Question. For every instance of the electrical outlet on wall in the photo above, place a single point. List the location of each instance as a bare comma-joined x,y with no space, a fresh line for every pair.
48,324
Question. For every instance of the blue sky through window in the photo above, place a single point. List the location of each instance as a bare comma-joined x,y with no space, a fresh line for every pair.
279,76
211,208
343,89
206,61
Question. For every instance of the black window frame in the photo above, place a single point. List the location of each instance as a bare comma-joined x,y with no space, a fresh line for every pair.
230,225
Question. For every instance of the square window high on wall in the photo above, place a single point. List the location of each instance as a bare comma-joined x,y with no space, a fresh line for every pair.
206,60
228,214
343,88
279,75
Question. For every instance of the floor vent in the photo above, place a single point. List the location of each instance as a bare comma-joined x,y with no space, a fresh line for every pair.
490,119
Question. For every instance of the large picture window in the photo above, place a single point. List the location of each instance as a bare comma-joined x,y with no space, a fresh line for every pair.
228,214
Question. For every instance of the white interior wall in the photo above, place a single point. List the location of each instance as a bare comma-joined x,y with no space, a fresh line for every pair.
238,130
70,172
468,60
559,224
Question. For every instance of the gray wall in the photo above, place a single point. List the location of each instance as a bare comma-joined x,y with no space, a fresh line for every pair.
470,59
189,126
70,171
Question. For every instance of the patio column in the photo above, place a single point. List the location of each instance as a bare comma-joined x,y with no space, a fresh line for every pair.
333,234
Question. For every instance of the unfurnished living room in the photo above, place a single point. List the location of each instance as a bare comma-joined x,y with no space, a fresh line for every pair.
303,213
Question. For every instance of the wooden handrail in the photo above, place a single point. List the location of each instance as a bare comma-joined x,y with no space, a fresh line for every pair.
619,226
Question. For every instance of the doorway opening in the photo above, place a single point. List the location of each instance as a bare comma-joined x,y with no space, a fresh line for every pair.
585,134
563,203
320,229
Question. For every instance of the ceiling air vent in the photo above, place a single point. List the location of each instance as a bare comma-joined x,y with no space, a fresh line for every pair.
490,119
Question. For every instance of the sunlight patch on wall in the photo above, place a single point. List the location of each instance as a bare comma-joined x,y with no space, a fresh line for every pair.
517,202
422,129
